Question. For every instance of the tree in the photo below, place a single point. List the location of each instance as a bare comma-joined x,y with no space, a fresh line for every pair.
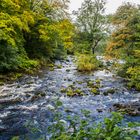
31,30
125,41
91,22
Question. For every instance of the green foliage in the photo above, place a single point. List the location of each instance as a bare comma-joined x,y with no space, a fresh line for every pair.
91,24
133,74
15,138
81,129
31,30
60,52
87,62
125,42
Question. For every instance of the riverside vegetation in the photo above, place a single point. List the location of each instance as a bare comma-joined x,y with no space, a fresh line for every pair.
37,33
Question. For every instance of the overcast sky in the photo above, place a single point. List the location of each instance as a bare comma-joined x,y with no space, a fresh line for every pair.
111,6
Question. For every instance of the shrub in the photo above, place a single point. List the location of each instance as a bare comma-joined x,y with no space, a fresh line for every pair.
131,70
80,129
60,52
87,62
134,77
83,127
8,58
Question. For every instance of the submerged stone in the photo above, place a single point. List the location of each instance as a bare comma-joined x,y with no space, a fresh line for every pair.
99,110
10,101
37,96
67,70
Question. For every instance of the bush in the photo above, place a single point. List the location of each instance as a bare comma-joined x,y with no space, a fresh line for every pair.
80,129
134,77
60,52
87,62
8,58
25,64
131,70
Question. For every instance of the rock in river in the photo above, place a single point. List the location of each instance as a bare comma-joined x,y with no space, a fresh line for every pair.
132,108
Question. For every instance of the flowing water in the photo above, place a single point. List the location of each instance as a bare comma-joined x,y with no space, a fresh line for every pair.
30,99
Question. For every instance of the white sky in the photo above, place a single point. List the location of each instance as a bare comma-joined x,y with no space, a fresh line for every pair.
111,6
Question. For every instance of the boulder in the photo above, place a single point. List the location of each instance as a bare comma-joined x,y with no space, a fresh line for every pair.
132,108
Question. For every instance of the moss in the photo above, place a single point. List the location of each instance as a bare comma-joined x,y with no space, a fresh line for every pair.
80,82
95,91
97,81
72,87
51,65
109,91
1,82
63,90
59,66
14,76
51,69
78,92
70,93
92,84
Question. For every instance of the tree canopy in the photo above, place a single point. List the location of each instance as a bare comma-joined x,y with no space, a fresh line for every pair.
31,30
91,22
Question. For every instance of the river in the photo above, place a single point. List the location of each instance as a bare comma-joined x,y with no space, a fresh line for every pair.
30,99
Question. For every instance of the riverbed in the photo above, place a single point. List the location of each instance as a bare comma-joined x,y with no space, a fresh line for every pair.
30,99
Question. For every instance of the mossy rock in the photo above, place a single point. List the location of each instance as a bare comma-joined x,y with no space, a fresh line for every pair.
109,91
67,70
74,83
95,91
69,79
18,86
78,92
40,93
97,81
59,66
51,65
34,98
132,109
1,83
72,87
28,95
63,90
51,69
105,93
80,82
70,93
99,110
90,83
74,92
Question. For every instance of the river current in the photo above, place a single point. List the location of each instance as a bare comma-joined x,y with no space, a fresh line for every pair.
30,99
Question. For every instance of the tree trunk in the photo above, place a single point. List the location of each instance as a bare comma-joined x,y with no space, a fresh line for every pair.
95,44
93,50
